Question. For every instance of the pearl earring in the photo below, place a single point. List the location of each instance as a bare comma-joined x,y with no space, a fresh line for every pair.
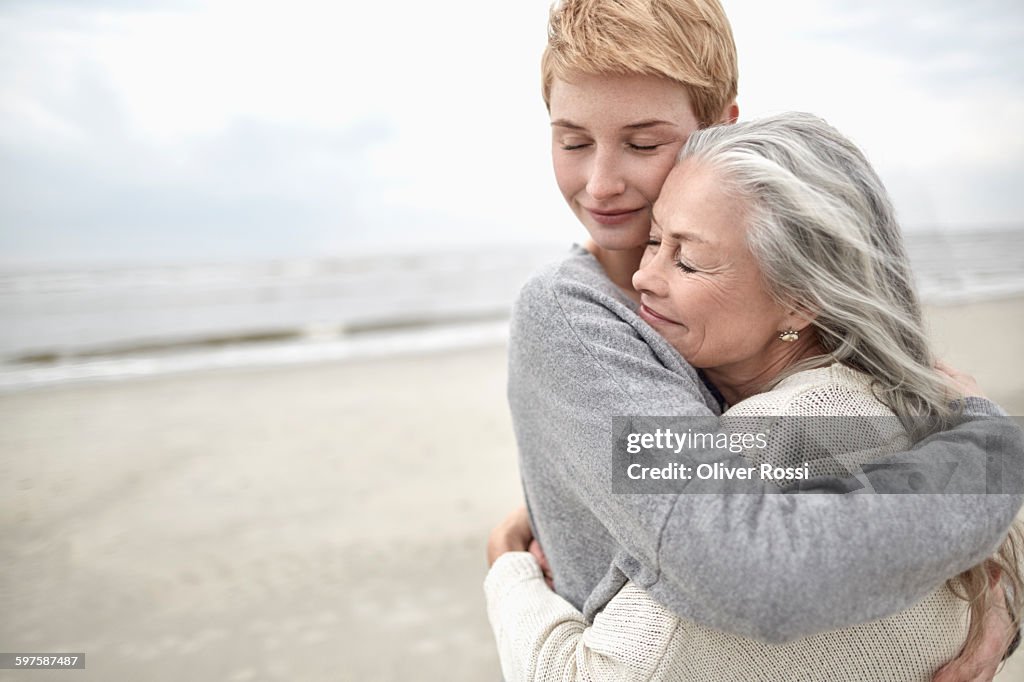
789,336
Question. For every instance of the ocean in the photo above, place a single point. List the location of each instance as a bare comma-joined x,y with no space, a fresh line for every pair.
66,325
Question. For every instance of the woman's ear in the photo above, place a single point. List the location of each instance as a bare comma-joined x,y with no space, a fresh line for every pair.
730,113
800,317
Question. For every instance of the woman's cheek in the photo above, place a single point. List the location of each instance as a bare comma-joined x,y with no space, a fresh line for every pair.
565,171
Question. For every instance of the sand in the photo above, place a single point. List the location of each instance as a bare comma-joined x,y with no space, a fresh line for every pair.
987,340
324,522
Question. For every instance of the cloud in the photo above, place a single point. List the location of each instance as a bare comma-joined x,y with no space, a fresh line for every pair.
81,7
946,43
258,128
256,188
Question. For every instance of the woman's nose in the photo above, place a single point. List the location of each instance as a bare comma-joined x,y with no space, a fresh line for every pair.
648,280
605,179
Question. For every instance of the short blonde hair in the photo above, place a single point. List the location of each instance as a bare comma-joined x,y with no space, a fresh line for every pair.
687,41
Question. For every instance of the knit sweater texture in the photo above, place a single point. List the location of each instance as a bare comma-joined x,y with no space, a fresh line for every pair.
542,637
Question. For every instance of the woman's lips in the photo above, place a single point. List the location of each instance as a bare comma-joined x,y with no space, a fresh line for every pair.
650,316
613,217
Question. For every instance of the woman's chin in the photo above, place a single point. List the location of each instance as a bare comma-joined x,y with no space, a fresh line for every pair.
618,238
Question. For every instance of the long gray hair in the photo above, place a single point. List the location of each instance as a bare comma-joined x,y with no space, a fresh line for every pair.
825,235
826,238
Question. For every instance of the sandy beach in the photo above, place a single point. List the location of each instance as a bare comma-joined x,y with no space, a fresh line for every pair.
323,522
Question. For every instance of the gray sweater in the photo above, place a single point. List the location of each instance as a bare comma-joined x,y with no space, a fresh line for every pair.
775,567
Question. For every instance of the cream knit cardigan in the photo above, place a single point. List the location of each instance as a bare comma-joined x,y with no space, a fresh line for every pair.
542,637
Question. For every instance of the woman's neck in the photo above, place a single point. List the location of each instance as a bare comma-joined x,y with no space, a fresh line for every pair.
620,266
739,381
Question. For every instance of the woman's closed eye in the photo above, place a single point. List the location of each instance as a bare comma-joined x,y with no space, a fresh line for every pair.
636,146
653,243
644,147
685,268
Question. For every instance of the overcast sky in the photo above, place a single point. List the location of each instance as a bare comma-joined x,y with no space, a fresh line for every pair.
228,130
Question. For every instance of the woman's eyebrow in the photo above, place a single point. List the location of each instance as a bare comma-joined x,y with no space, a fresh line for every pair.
639,125
680,236
688,237
648,124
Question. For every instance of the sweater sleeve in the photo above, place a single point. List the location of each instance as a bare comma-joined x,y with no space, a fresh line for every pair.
542,637
809,563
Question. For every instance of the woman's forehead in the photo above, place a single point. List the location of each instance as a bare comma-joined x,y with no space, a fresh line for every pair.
695,207
625,100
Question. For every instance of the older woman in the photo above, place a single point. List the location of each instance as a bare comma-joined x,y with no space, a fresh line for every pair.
776,266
